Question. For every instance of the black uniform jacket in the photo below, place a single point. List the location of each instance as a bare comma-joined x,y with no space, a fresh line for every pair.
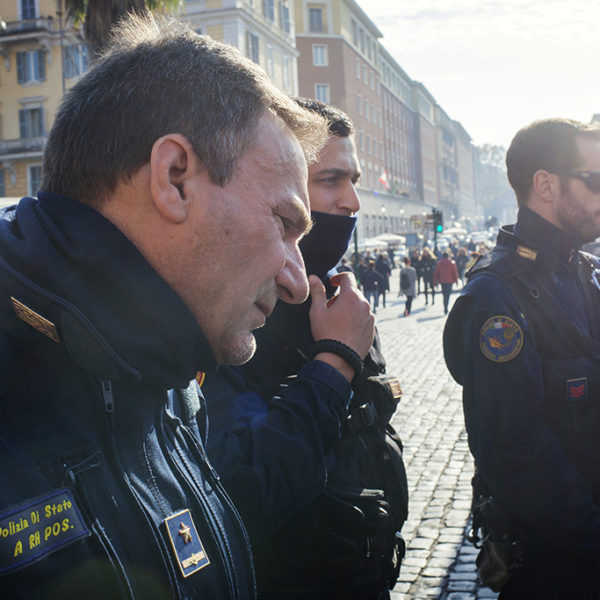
104,491
524,341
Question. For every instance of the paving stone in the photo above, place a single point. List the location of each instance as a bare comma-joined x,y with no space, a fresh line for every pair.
439,466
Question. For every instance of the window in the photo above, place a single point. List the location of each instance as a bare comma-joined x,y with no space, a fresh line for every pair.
2,184
75,60
35,179
269,9
362,40
375,148
354,33
365,75
366,109
270,61
284,16
361,140
359,104
315,20
322,92
28,10
31,66
357,67
31,122
373,113
368,144
320,56
286,72
252,46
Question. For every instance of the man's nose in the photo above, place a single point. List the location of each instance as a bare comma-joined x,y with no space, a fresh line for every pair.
350,201
292,283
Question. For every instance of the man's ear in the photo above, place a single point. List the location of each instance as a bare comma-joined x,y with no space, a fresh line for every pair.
546,185
172,163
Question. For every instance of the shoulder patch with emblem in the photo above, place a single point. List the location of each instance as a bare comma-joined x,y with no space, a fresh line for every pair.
500,339
37,527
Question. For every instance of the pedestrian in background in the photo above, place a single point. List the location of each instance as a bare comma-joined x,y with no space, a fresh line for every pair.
427,267
372,281
415,261
382,265
344,267
461,259
524,342
408,278
446,274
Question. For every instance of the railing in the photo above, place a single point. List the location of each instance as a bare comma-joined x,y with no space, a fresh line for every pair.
28,25
31,144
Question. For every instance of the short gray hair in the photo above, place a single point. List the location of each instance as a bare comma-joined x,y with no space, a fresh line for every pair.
156,77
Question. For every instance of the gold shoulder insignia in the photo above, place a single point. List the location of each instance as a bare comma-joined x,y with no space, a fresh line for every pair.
528,253
35,320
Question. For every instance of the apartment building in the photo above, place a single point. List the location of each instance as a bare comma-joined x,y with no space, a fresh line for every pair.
339,63
413,157
41,57
262,30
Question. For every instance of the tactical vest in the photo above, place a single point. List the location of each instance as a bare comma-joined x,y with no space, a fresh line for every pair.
571,358
347,543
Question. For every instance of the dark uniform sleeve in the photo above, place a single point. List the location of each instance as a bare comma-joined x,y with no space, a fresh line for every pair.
518,455
273,454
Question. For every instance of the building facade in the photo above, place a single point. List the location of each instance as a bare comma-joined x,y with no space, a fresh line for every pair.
413,156
262,30
41,57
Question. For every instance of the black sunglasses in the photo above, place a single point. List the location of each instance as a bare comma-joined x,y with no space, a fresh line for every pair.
590,178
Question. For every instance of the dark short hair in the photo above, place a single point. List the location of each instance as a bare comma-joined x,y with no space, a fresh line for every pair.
155,77
338,122
548,144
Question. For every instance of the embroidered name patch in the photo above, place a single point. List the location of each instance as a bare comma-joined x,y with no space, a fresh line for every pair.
33,529
577,389
500,339
188,548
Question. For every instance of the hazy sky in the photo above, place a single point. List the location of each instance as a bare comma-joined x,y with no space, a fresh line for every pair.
497,65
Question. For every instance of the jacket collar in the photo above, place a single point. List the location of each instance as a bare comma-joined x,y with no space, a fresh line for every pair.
113,314
541,234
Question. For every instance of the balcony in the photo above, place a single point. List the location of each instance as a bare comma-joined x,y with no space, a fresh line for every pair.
27,26
41,30
21,146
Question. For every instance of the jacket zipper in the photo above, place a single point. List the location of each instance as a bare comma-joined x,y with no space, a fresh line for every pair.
109,407
196,489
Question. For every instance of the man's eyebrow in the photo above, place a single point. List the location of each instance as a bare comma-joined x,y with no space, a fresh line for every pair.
299,217
337,171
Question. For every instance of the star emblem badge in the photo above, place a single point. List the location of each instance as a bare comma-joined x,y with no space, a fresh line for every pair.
184,532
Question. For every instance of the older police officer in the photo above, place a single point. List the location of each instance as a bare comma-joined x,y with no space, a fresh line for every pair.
174,197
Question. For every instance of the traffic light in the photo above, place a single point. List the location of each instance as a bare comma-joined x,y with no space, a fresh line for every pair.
438,221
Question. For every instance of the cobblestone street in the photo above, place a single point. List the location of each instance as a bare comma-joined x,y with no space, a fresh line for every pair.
439,562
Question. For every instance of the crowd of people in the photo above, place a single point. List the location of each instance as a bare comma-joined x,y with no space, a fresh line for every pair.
195,405
428,269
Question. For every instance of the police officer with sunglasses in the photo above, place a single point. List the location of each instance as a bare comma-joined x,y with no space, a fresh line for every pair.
524,342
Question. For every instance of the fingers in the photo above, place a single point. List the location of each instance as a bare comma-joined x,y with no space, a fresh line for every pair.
317,290
343,280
